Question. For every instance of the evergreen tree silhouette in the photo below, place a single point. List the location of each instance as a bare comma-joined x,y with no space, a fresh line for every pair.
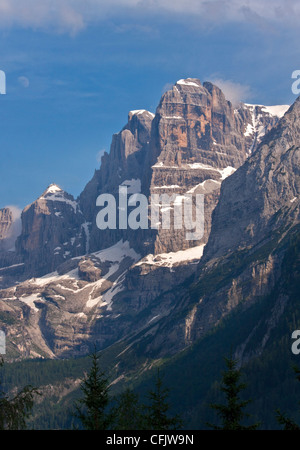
232,412
16,410
91,410
157,417
282,419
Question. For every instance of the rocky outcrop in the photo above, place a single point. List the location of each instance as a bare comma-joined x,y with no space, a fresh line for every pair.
10,228
196,142
53,230
263,195
259,120
96,299
6,220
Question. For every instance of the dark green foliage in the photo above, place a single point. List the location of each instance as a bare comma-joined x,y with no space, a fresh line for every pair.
15,411
91,409
288,423
95,412
157,417
232,412
128,412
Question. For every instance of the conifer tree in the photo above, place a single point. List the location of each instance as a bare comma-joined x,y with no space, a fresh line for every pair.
232,412
128,412
282,419
156,417
16,410
91,410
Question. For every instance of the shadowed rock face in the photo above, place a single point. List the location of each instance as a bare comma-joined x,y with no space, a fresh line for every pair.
125,164
255,224
52,231
263,195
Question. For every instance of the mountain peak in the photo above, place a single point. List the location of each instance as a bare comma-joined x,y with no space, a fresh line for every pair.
189,82
138,112
52,189
274,110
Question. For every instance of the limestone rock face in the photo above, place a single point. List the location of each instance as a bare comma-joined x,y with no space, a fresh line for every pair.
6,221
88,271
259,120
194,123
263,195
254,224
124,165
195,140
52,231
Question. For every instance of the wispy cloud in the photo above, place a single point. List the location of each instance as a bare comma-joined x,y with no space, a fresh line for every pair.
63,15
100,154
235,92
74,15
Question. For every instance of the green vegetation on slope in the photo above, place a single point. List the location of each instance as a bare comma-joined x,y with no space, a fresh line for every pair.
194,375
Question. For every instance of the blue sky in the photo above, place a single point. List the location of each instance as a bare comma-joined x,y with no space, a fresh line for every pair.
75,68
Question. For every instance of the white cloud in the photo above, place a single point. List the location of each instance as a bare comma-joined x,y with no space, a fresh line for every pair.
73,15
100,154
235,92
63,15
167,87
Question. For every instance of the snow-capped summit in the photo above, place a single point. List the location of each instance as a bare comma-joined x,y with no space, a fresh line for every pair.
274,110
258,120
140,112
189,82
52,189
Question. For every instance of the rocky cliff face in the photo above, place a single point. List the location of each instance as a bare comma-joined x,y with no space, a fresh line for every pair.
263,195
11,264
53,230
253,226
259,120
195,140
6,221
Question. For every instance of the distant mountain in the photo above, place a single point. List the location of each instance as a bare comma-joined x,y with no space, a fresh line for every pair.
75,284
